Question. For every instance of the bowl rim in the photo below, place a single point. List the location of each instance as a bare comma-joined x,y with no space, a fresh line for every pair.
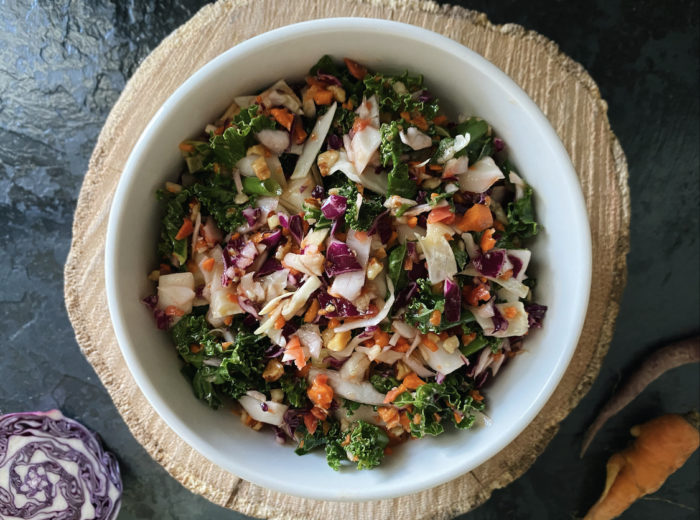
275,37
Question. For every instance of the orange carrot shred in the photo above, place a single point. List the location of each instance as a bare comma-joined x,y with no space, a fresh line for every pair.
208,264
185,230
283,116
487,241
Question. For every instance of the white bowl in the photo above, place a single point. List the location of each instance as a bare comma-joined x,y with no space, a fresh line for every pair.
466,83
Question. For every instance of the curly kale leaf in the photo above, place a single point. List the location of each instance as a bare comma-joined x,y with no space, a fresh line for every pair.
216,194
392,97
176,209
397,273
230,147
383,383
241,364
366,446
434,404
521,221
372,205
294,390
390,151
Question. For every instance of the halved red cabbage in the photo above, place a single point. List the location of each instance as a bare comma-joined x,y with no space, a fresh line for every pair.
341,259
453,301
53,467
490,263
334,207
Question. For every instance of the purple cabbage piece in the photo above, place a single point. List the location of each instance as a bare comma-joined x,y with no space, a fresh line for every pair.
334,227
251,215
425,96
58,468
420,198
382,226
335,142
334,207
279,435
340,259
273,351
162,319
318,192
490,263
481,379
498,144
263,406
336,363
405,295
535,315
516,263
250,322
419,271
272,239
248,306
295,226
439,378
292,419
336,306
499,322
289,328
270,266
328,78
453,301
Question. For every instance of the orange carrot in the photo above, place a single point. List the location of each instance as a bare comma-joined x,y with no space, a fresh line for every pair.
389,415
476,395
440,120
510,312
476,218
392,394
441,214
185,230
402,345
412,381
228,320
320,393
186,147
468,338
477,294
333,323
429,344
208,264
279,322
412,222
360,124
196,348
311,312
507,275
357,71
311,423
662,446
381,338
323,97
298,133
435,317
233,298
487,241
294,349
283,116
171,310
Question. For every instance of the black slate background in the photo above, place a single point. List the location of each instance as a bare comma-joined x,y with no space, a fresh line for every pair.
63,65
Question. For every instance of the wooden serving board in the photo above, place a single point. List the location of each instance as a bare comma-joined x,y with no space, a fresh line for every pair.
562,89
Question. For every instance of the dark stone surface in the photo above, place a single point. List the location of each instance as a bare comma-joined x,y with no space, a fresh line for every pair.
63,65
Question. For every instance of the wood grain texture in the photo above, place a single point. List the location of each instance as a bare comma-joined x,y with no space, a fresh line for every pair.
560,87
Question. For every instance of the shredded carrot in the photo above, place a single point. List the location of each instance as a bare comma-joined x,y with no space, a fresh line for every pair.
323,97
333,323
171,310
458,417
294,349
435,317
507,275
311,423
510,312
226,344
185,230
405,421
487,241
417,418
362,236
420,122
360,124
468,338
357,71
381,338
320,393
346,440
228,320
311,312
298,133
392,394
208,264
233,298
412,222
279,322
429,344
283,116
186,147
389,415
319,413
219,130
196,348
440,120
441,214
476,395
435,167
412,381
476,218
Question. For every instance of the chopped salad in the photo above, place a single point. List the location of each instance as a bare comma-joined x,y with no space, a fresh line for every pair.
345,265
